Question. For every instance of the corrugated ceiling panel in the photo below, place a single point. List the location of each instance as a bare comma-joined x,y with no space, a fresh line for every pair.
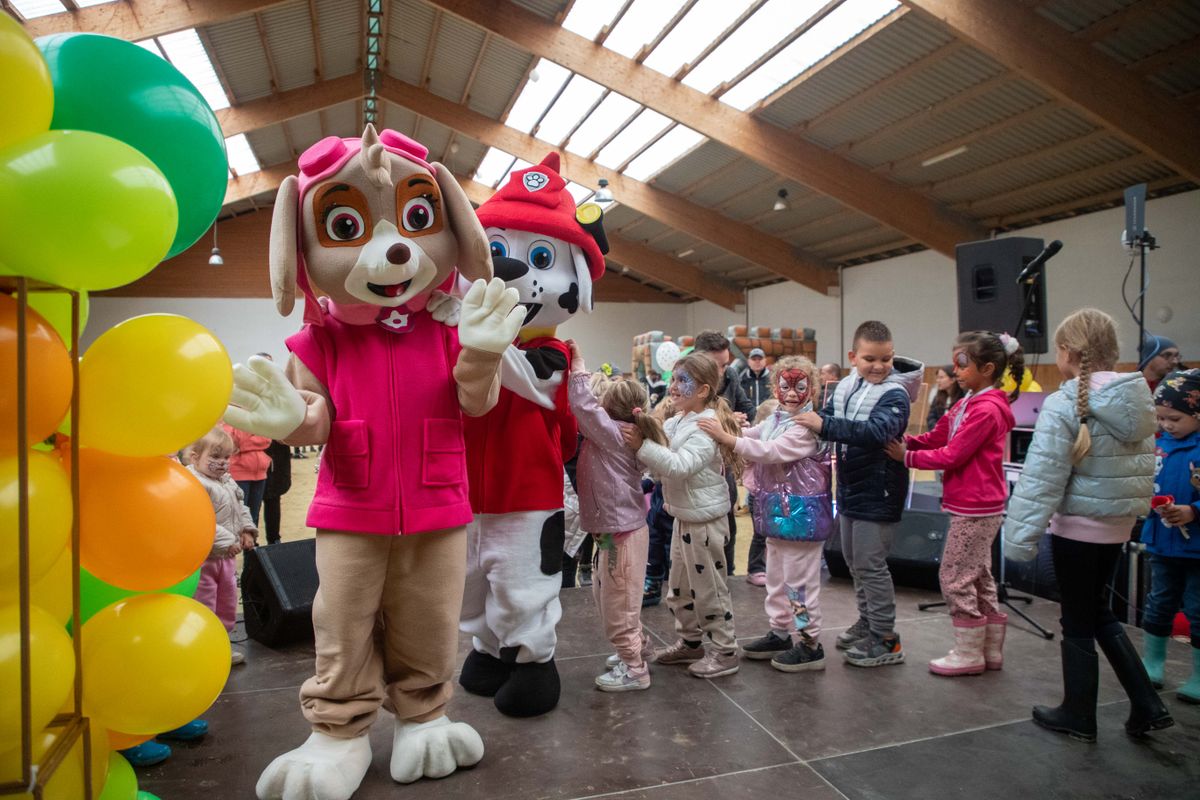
410,26
619,216
901,43
1114,180
733,181
870,238
1152,33
343,119
1180,78
1074,15
544,8
340,25
434,135
400,119
305,130
290,44
704,160
499,77
647,229
932,84
458,44
469,154
835,227
673,244
238,49
269,145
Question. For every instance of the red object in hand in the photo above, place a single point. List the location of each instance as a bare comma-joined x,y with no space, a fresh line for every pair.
1161,500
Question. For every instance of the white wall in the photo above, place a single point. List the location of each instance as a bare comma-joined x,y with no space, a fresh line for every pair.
607,333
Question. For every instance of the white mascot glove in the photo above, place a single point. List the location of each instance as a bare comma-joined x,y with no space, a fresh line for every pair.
444,308
263,401
490,318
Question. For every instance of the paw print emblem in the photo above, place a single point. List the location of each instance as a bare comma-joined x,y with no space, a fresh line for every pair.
534,181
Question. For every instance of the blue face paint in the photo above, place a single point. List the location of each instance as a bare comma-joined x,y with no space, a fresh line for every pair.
685,383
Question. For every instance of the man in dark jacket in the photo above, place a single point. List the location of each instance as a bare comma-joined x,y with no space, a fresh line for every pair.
716,347
756,378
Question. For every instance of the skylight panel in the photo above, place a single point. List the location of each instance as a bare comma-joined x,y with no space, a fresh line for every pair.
701,25
31,9
151,45
537,95
494,166
675,144
241,158
843,24
580,192
588,18
640,24
600,124
187,53
90,3
575,101
635,136
754,37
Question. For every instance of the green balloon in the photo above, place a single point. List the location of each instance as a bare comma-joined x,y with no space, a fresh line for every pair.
121,783
143,795
114,87
55,308
95,594
82,211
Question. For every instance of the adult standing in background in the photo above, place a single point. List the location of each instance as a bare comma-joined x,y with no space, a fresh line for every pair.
715,346
279,480
756,378
829,374
944,394
1158,356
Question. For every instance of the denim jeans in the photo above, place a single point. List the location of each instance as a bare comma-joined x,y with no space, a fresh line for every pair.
1174,584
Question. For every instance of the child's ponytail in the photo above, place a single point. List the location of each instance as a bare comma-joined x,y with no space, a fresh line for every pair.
1083,439
731,425
650,427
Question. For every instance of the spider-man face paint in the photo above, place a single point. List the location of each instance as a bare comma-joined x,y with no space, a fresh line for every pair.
792,387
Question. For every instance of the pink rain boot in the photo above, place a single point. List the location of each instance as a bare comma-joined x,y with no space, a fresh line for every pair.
966,658
993,646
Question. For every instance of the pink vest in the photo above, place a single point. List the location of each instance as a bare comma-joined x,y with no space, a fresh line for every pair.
395,461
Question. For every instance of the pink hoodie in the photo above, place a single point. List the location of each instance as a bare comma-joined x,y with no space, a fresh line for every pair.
968,443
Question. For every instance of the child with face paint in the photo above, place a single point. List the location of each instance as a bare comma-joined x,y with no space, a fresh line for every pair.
789,481
692,468
968,444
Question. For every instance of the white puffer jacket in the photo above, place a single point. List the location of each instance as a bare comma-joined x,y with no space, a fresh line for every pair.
232,515
693,480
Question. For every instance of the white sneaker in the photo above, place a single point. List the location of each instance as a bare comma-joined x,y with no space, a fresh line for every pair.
622,679
237,657
647,653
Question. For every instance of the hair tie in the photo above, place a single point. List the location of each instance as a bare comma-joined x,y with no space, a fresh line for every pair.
1010,344
637,410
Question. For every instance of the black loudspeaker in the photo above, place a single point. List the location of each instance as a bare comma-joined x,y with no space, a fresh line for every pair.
989,298
279,582
916,551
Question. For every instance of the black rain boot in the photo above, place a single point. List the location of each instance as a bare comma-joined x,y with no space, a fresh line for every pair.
1146,709
1076,715
530,690
483,674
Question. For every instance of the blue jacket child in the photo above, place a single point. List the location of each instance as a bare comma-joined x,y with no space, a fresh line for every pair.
1177,474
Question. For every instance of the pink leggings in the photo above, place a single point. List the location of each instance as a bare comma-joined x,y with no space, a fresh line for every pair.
966,574
218,589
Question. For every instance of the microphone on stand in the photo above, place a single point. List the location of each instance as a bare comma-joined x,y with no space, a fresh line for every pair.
1033,267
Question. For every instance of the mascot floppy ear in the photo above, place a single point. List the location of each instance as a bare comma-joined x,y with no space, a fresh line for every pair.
284,241
474,253
583,277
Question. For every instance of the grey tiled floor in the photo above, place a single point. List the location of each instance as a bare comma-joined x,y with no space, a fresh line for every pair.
893,732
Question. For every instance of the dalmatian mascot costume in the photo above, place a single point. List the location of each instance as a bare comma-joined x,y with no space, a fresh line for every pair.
383,384
550,252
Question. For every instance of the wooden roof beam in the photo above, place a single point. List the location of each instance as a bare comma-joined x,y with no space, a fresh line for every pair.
1075,72
142,19
267,111
702,223
780,151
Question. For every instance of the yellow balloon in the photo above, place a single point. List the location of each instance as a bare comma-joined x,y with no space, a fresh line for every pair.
52,671
152,385
153,662
49,515
1028,384
67,781
26,94
55,308
51,593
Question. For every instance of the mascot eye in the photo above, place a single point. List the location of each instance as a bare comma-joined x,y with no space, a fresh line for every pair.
541,255
499,247
418,214
344,224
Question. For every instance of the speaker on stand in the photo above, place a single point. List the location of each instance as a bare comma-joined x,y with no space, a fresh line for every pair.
996,294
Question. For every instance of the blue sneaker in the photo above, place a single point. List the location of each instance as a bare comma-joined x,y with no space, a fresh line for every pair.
147,754
187,733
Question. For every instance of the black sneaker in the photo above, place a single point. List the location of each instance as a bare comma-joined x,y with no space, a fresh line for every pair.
854,634
876,651
651,593
767,647
801,658
585,576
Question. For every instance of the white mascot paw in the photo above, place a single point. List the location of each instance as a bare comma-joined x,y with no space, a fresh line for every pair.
263,400
490,318
433,749
323,768
444,308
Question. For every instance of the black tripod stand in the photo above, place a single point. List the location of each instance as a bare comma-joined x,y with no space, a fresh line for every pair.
1005,597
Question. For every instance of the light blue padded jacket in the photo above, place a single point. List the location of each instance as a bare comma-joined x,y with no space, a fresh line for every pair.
1115,478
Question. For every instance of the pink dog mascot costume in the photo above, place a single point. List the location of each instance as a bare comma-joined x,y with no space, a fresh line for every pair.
377,378
550,252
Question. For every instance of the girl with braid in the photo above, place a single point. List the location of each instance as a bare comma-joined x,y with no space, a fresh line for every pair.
1089,474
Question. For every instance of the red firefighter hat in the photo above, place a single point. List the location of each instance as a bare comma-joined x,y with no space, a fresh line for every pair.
536,199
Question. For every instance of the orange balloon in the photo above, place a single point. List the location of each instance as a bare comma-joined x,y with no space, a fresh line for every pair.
144,523
123,741
48,376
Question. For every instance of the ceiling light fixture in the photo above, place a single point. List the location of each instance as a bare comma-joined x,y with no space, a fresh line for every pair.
685,253
781,202
958,151
603,195
215,259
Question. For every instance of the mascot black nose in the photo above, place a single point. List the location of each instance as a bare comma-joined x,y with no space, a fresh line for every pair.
508,269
